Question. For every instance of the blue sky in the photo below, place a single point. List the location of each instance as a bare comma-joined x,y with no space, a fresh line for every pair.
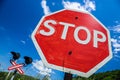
18,19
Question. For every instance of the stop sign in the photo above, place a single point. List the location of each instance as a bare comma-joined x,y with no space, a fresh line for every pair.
72,41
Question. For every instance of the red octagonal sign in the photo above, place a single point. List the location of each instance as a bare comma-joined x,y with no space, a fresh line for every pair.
72,41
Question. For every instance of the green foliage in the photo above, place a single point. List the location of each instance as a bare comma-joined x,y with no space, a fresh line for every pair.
109,75
17,77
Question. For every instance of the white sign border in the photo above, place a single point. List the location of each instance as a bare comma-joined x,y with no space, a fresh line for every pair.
90,72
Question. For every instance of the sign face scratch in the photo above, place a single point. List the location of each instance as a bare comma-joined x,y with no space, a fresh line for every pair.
72,41
16,67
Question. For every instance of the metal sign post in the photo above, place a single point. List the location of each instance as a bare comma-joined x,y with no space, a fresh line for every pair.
68,76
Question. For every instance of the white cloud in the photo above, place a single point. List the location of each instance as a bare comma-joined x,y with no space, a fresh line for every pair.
115,45
116,28
43,70
23,42
115,34
116,48
88,5
72,5
45,7
117,56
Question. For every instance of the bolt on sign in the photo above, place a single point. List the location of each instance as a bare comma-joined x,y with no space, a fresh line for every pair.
72,41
